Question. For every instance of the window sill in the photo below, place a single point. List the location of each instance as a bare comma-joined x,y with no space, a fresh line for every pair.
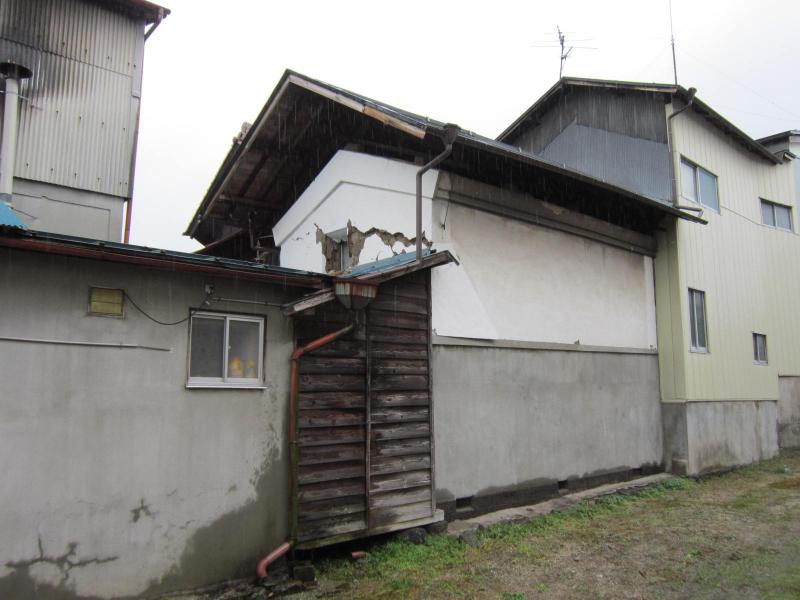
226,386
759,363
699,351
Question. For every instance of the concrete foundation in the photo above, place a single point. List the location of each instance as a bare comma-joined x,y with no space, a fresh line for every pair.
513,425
702,437
789,412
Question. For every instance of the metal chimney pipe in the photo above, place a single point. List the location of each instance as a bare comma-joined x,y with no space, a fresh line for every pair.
448,136
13,75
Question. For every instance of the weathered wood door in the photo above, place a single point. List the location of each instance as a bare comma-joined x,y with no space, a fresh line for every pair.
365,418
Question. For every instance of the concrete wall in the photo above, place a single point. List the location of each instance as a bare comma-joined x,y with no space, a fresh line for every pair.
58,209
789,412
117,480
513,418
515,280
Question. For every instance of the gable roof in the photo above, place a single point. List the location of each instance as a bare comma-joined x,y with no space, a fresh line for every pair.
670,90
305,121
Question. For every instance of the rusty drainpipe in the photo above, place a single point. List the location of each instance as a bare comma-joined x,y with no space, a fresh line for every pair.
448,137
310,347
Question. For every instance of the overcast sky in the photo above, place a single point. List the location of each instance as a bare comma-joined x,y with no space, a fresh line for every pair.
211,65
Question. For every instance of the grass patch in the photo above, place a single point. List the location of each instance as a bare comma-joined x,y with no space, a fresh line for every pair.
401,568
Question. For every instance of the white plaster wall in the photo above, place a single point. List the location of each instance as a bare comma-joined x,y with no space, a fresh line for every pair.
366,190
515,281
543,285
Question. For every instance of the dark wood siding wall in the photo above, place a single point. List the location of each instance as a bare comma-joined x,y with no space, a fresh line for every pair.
364,416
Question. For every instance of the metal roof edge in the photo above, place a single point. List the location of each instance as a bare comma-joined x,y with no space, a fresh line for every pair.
663,88
39,241
409,123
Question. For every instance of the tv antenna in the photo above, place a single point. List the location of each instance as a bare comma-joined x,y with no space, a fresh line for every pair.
672,42
562,44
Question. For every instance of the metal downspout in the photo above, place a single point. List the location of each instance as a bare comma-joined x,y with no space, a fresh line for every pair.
13,75
449,136
293,487
670,144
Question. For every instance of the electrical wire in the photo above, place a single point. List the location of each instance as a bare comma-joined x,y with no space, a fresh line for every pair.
153,319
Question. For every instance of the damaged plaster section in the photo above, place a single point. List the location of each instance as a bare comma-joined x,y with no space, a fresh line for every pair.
21,580
352,243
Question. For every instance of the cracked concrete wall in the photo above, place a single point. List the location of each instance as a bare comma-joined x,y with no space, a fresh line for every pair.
119,481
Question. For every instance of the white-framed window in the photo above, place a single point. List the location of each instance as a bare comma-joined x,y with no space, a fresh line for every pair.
760,348
225,350
776,215
699,185
697,320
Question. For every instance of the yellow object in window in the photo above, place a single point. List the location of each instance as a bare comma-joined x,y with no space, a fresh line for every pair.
235,367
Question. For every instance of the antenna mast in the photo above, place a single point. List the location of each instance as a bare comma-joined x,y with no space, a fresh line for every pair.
561,39
672,41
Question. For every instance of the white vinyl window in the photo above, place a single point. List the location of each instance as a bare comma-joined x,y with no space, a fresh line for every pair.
697,320
225,350
776,215
760,348
699,185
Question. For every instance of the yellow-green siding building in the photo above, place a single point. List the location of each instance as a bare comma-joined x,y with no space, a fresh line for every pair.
727,291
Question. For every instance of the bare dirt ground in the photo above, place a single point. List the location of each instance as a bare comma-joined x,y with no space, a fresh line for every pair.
729,536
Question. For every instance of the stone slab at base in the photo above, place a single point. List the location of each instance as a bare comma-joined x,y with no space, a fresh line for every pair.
522,514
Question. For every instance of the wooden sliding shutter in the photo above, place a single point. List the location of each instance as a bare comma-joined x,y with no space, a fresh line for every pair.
364,417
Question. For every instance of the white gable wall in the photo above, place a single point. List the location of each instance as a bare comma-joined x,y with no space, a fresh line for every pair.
515,281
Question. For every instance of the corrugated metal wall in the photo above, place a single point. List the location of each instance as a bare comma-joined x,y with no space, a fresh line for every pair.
364,418
617,137
80,109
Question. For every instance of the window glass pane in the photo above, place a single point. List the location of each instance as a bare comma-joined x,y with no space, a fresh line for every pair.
243,344
767,214
760,347
687,182
692,318
708,189
208,340
700,303
783,217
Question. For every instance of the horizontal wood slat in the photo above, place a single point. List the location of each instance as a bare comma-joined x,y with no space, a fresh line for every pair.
401,447
320,400
398,336
331,435
407,512
394,351
330,382
311,530
399,481
394,303
399,432
329,472
344,348
386,318
399,367
387,499
328,454
388,399
326,509
331,489
399,464
330,418
400,415
399,382
331,364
